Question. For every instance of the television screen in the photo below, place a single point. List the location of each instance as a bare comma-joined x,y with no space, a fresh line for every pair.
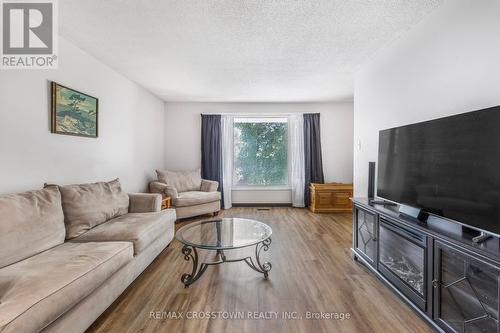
449,167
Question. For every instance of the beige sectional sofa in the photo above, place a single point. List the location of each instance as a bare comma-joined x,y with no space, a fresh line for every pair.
67,252
190,194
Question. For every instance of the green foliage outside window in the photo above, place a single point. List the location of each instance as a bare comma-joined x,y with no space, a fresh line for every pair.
260,153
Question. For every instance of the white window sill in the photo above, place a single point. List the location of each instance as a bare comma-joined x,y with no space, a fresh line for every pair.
262,188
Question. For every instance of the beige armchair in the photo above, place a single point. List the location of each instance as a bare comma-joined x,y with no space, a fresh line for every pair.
190,195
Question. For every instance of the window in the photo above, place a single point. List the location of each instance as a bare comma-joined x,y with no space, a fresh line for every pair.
260,151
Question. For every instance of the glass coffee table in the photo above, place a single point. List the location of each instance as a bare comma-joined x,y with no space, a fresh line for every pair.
221,235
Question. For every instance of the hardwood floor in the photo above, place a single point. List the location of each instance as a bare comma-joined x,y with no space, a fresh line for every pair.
312,271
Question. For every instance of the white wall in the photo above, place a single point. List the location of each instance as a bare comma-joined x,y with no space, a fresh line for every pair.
130,143
183,137
448,64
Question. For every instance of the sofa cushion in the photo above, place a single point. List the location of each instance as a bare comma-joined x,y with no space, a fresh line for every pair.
31,222
193,198
36,291
140,228
88,205
182,180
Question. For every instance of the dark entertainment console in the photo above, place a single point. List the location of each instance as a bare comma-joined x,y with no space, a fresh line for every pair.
435,266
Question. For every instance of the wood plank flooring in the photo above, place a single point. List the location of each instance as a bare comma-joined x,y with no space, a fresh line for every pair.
312,271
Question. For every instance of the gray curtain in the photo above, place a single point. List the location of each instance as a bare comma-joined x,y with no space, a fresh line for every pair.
313,161
211,149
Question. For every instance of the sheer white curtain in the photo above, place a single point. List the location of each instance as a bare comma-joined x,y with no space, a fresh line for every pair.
227,159
297,178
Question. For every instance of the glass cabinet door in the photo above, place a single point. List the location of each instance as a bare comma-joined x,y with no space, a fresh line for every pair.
466,297
366,233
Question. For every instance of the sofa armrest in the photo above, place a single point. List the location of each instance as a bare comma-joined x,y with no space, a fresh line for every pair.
158,187
144,202
209,185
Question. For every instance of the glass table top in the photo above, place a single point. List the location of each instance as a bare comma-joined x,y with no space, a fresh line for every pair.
223,234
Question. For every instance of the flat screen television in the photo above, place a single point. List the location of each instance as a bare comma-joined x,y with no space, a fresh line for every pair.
449,167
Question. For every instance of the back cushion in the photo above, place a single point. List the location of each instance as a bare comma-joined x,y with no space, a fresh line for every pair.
30,223
183,181
88,205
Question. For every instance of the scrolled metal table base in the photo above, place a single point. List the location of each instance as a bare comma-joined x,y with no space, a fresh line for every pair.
190,254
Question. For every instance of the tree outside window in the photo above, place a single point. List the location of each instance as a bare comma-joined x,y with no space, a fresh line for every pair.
260,151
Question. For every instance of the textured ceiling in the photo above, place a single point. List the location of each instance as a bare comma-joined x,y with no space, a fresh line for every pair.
246,50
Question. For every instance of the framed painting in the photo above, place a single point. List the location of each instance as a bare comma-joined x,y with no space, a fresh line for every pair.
73,112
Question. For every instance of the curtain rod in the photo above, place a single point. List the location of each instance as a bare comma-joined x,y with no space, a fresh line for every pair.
252,114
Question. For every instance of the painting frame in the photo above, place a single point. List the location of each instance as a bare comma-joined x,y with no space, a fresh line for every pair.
54,121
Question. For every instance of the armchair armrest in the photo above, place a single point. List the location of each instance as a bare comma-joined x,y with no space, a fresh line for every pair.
162,188
209,185
144,202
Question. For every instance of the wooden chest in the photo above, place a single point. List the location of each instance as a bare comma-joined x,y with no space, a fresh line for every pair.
331,198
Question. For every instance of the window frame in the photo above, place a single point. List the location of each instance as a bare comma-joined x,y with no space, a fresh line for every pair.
248,187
